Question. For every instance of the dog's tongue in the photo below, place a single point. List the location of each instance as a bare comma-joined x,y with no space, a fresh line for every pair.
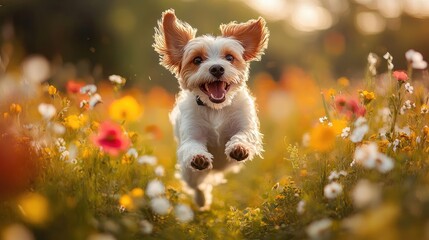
217,89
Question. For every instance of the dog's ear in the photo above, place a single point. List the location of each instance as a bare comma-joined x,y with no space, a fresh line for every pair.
171,36
253,35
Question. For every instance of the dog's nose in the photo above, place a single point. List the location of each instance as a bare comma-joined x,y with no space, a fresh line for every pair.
217,70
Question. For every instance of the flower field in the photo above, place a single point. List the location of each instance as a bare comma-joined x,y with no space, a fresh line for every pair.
343,159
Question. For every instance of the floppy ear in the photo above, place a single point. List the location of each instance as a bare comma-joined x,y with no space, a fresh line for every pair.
253,36
171,36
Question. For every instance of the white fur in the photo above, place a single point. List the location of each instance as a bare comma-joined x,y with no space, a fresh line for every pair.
216,131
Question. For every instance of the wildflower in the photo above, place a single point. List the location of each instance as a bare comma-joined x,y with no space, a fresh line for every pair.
334,175
333,190
146,227
331,92
125,109
323,119
47,111
389,59
424,109
137,192
132,152
319,229
111,138
367,96
322,138
401,76
350,107
36,69
89,89
300,208
366,155
52,90
416,59
384,163
117,79
343,82
94,100
159,171
395,144
34,207
75,122
155,188
73,87
365,194
372,62
146,159
407,105
409,88
370,158
345,132
126,201
359,132
183,213
160,205
338,125
15,109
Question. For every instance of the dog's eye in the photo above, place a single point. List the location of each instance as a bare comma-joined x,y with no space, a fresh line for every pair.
229,58
197,60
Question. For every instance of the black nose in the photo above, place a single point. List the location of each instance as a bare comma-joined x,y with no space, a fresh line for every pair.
217,70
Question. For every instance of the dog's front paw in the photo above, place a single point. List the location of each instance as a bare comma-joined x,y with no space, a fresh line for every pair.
239,153
200,162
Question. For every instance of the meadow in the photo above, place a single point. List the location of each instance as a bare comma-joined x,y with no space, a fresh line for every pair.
344,159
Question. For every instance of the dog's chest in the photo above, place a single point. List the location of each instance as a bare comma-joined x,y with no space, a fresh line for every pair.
217,124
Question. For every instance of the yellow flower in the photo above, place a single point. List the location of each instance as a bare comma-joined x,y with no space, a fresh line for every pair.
338,125
34,207
367,96
15,108
331,92
343,82
322,138
126,201
75,122
52,90
137,192
125,109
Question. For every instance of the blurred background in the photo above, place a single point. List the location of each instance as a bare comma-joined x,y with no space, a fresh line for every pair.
93,39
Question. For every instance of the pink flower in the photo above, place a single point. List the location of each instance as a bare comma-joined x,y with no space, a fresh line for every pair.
401,76
111,138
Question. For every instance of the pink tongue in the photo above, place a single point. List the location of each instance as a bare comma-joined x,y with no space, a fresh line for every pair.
216,89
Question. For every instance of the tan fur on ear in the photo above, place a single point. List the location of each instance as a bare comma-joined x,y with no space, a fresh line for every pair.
171,36
253,35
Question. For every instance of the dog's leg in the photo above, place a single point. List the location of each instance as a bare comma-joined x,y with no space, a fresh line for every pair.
246,142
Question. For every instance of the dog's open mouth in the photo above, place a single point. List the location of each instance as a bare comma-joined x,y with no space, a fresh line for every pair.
216,91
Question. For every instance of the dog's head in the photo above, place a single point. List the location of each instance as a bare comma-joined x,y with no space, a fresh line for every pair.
213,68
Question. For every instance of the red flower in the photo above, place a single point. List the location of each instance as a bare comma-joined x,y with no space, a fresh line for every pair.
356,109
349,107
73,87
401,76
111,138
340,103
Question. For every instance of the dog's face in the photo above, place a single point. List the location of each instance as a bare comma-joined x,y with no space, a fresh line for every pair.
213,68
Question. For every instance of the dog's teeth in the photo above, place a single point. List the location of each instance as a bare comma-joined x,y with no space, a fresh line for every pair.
206,86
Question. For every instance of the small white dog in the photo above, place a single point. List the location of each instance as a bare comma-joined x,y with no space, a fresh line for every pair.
214,118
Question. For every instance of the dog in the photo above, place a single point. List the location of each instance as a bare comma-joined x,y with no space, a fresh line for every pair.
214,118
